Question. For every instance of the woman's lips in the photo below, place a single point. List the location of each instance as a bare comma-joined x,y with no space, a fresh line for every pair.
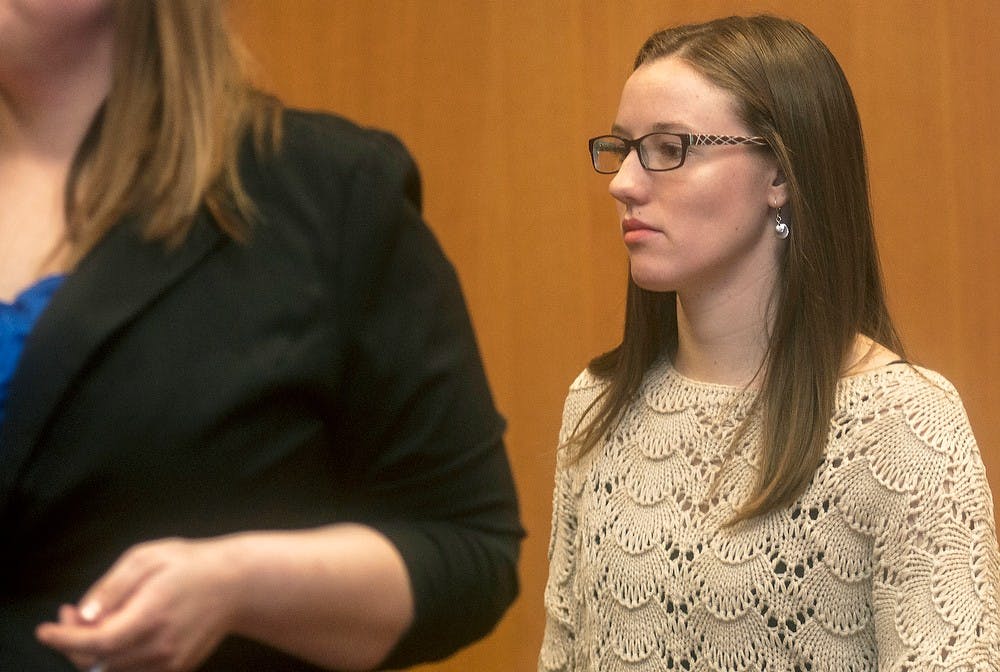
634,231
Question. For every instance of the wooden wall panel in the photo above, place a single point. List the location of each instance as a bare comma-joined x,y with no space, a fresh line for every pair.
496,100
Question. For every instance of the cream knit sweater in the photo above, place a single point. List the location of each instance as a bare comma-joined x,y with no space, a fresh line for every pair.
888,561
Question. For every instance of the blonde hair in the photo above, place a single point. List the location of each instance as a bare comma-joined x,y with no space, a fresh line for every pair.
789,89
167,140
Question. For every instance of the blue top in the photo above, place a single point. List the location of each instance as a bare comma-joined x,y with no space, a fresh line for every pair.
16,321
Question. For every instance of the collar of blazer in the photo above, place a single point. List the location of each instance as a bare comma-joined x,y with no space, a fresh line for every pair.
109,288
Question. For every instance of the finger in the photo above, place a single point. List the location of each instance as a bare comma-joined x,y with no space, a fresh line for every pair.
78,642
116,631
140,656
114,588
148,634
69,615
117,637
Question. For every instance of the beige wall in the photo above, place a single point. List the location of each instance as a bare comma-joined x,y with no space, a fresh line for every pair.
496,100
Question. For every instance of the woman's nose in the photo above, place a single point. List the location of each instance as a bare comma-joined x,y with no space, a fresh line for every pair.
627,183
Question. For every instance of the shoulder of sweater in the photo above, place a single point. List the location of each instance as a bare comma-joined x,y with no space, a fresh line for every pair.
582,393
902,406
586,380
899,383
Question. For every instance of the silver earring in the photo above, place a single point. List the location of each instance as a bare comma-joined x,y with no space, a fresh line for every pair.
780,227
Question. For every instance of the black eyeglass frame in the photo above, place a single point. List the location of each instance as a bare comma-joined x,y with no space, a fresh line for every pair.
686,140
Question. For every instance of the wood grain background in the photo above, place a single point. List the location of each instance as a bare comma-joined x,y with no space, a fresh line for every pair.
496,99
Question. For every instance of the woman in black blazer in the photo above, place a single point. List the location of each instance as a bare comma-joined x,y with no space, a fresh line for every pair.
246,426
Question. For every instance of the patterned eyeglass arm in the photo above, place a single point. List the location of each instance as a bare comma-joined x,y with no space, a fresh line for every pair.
711,139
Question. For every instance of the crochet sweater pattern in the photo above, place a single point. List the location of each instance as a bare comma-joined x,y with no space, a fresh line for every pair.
887,562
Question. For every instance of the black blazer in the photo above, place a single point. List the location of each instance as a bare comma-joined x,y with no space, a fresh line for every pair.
324,370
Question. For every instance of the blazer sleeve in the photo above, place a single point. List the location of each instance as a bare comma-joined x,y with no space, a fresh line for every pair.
426,438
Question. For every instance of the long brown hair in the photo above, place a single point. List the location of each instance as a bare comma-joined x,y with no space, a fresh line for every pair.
166,141
789,89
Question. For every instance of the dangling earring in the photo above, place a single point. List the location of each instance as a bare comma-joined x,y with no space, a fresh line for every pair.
780,227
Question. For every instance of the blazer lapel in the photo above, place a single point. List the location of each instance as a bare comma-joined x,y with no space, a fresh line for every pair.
109,288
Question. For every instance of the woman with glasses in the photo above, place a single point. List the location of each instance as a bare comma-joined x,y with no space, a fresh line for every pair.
755,478
243,420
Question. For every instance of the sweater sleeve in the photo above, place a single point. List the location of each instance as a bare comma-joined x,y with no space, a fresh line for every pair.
427,449
560,632
558,649
936,570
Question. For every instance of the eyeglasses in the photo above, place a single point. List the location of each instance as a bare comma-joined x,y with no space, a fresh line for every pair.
657,151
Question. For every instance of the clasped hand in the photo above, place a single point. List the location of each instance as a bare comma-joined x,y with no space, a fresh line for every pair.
164,605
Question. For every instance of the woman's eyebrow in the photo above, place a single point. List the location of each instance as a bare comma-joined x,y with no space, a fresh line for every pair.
658,127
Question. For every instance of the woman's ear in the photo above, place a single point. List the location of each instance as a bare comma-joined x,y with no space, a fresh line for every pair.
777,194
